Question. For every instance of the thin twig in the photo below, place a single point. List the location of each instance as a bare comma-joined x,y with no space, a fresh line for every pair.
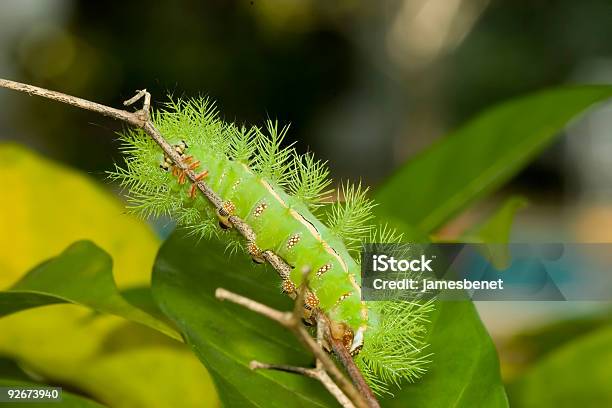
298,305
128,117
318,374
289,321
347,361
141,119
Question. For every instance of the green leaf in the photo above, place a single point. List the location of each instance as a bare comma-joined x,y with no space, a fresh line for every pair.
82,274
69,400
577,374
464,371
496,229
226,337
9,369
496,232
480,156
537,342
12,375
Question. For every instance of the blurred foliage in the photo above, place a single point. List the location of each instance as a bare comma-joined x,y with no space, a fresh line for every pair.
482,155
46,207
529,347
519,46
576,374
81,275
453,173
67,344
496,228
326,68
12,375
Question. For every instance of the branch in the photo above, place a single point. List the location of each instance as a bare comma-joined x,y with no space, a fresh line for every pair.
353,371
292,321
129,117
141,119
316,373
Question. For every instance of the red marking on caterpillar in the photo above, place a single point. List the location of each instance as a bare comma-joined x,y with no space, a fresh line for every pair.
194,188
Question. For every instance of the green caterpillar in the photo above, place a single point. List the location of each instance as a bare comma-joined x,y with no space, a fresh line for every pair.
278,194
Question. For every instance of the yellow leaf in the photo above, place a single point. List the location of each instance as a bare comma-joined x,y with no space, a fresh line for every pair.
45,207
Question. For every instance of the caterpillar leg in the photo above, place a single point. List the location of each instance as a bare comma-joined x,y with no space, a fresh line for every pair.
311,301
255,253
228,208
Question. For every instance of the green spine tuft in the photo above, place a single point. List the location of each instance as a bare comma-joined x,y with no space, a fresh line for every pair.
395,350
350,219
273,161
310,181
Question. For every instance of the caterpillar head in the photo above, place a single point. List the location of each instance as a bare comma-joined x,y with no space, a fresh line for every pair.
227,209
341,331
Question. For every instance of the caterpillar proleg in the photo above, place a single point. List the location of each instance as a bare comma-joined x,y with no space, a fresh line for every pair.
278,194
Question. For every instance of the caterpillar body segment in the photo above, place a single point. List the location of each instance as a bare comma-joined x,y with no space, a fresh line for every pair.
276,192
288,228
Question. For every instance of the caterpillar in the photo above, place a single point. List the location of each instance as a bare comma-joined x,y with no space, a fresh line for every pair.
279,194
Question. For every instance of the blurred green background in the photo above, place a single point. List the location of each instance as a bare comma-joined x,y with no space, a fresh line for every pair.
365,85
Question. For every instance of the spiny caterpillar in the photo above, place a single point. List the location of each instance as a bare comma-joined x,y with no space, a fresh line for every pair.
278,193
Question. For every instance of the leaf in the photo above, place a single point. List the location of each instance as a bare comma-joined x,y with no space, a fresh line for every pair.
41,216
226,337
481,156
496,232
120,363
82,274
464,371
577,374
496,229
69,400
527,348
12,375
539,341
9,369
47,206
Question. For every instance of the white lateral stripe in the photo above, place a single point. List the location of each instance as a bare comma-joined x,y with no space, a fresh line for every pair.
313,231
